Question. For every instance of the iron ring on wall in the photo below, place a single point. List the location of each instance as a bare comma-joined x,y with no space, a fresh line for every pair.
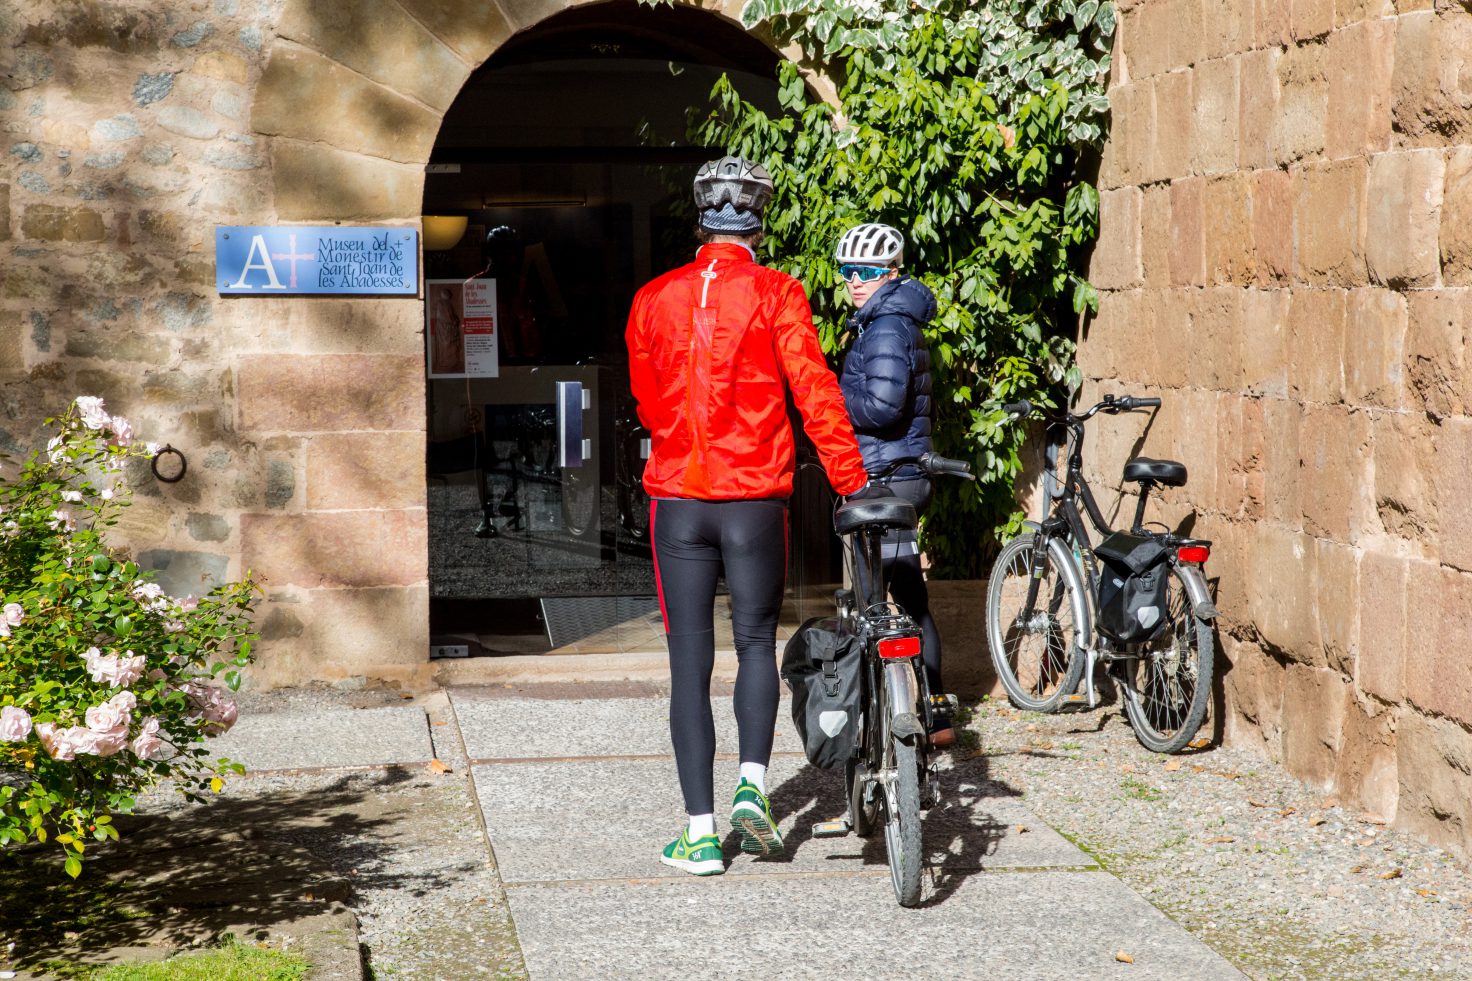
172,478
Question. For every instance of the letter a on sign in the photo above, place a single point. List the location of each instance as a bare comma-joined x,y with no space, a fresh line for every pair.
258,244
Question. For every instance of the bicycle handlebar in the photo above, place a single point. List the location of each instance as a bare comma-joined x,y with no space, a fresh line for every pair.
1110,404
931,463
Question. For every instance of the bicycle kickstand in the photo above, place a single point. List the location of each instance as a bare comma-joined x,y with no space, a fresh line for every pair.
1090,696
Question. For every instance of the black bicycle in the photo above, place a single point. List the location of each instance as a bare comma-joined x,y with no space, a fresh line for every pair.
1044,601
890,779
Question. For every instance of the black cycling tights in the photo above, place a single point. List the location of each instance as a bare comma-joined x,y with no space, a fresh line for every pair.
693,542
901,558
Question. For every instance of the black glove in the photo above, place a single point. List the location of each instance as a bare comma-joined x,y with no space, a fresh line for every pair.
869,492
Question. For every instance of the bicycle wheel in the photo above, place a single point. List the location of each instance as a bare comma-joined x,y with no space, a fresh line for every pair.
902,823
1037,653
1168,687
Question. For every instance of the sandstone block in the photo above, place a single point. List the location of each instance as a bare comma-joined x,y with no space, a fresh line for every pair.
1240,486
1174,116
4,212
1254,695
1435,757
224,65
1263,354
1215,339
1303,101
1215,116
1315,345
205,527
188,121
1361,61
1380,668
1127,153
384,43
185,573
1155,242
1185,40
319,183
1403,220
1311,18
336,633
1314,704
1272,226
1329,223
1435,378
1334,458
330,393
1281,563
1148,44
1433,54
1338,586
349,111
61,223
1187,232
1227,208
1438,675
1374,347
1453,452
1257,108
1347,12
1227,27
1271,25
365,470
1170,317
474,28
1456,219
337,548
1405,478
1368,770
1116,259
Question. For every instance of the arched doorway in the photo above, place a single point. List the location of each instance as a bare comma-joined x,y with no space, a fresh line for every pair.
565,153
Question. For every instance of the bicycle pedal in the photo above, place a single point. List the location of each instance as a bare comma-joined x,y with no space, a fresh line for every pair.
1074,703
832,829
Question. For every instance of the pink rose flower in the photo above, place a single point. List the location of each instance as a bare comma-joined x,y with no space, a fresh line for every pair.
113,715
217,709
189,603
109,669
94,743
13,614
122,431
147,745
89,407
15,724
53,741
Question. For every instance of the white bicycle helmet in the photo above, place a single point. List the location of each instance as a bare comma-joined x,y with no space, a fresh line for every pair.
731,194
871,244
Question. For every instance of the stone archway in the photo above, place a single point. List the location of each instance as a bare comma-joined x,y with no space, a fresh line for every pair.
349,106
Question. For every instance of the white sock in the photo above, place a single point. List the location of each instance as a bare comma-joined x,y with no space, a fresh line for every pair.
756,773
701,825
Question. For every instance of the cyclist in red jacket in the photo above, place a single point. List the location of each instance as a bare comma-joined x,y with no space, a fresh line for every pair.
714,347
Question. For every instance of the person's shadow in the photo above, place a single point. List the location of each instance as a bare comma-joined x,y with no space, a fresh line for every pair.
958,833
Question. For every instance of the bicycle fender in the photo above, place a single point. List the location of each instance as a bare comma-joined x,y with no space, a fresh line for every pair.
1196,591
1032,526
899,678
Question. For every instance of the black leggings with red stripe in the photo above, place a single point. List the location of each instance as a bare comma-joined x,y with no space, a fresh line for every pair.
694,542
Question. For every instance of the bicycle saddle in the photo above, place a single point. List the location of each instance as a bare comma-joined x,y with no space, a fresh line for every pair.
1167,472
875,512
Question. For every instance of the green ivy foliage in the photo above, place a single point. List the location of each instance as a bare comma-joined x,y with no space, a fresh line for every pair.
960,125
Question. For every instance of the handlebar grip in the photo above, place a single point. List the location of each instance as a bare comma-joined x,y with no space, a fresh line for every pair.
935,463
1018,409
1151,403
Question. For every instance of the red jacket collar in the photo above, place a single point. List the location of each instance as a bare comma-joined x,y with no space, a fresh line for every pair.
730,251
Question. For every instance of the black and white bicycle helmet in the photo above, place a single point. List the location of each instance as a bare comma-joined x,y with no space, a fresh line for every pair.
871,244
731,194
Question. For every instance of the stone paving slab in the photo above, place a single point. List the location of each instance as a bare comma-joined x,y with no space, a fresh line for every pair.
330,737
1033,925
517,728
630,809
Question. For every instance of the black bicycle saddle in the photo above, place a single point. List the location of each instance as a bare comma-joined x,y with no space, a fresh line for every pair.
882,512
1167,472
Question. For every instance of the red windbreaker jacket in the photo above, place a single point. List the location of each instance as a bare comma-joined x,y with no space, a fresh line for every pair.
711,347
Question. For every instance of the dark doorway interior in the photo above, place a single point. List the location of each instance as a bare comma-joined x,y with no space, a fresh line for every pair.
566,154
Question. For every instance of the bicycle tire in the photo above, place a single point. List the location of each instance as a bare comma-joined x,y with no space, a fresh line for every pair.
1036,682
902,839
1167,689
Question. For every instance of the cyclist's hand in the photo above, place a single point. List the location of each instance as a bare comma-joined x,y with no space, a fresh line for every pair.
869,492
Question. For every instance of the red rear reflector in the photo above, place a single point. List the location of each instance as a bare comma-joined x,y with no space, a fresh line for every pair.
1193,553
899,647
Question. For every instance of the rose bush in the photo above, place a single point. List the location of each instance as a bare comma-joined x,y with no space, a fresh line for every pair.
108,685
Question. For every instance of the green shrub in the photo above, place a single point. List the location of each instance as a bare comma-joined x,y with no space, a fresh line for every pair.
105,681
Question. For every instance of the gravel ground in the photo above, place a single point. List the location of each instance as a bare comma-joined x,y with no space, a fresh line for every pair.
1281,881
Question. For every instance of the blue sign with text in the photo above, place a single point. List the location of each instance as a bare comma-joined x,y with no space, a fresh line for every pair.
279,259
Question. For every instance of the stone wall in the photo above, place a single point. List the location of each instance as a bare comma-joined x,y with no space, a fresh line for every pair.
1285,257
132,128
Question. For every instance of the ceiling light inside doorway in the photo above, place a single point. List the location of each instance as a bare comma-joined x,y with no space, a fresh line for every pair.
443,231
534,201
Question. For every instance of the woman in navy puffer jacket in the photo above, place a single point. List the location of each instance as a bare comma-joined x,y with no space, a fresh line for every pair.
886,387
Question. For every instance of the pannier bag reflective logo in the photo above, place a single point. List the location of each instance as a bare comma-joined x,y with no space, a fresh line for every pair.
832,723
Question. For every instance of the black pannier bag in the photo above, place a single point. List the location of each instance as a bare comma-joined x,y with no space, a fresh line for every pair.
822,667
1132,587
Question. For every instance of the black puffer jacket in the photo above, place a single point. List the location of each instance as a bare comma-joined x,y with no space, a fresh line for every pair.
886,376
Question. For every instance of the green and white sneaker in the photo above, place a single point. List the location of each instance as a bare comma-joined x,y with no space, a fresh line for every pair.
699,857
752,816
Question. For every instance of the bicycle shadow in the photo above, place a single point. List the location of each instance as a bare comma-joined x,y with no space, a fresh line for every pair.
959,835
